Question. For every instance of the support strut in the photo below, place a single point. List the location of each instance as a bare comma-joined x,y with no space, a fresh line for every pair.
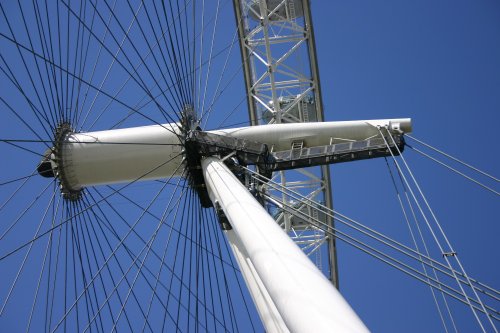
298,293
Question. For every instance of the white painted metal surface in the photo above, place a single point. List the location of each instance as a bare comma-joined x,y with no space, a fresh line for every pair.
305,299
154,152
268,313
122,155
281,136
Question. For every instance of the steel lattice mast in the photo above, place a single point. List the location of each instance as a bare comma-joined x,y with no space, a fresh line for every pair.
282,82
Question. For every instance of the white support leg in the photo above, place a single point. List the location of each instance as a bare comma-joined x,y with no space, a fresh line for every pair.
269,314
305,300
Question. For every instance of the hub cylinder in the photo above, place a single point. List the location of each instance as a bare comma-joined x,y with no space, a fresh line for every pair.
122,155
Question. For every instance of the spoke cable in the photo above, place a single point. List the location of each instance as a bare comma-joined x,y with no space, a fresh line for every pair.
92,86
28,252
42,269
65,221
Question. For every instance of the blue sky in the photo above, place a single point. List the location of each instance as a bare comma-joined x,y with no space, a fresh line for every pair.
438,63
435,62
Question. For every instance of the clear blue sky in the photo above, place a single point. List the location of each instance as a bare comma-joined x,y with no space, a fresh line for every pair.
437,62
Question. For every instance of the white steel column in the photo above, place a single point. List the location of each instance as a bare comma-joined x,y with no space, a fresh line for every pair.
304,298
269,314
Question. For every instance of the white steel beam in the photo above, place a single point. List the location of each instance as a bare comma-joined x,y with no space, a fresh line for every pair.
305,300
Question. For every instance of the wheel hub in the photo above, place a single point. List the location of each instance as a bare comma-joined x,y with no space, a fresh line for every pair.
52,164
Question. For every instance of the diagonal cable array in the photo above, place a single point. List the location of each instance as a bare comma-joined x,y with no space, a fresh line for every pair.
385,249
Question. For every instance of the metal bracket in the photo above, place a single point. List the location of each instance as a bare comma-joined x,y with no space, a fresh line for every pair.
224,222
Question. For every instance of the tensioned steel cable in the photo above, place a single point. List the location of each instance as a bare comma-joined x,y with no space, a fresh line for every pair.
148,70
448,244
453,158
165,287
148,247
191,74
172,71
212,42
175,57
181,48
114,59
33,108
200,61
94,87
53,109
93,72
140,266
386,258
89,220
235,272
24,148
138,79
146,268
39,282
217,93
48,314
334,214
136,265
52,85
24,122
28,252
162,260
453,169
415,244
223,276
54,212
70,106
80,102
173,274
31,79
176,230
68,219
25,210
179,104
369,232
113,254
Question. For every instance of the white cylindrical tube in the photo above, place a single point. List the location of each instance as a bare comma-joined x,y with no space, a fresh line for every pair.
280,136
305,299
154,152
122,155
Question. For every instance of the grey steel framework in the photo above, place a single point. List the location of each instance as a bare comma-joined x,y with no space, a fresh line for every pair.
282,85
